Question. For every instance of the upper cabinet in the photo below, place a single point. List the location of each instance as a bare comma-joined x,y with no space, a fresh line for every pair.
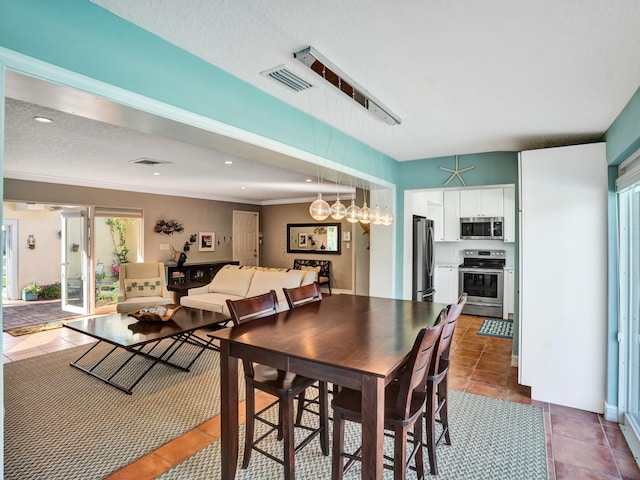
451,215
509,222
484,202
435,209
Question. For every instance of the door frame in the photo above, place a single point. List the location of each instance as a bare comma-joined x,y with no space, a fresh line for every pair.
11,229
85,253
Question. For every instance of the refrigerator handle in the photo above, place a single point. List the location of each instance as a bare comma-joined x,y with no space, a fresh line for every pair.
430,246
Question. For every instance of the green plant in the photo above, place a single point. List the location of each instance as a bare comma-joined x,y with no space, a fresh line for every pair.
50,291
118,226
34,288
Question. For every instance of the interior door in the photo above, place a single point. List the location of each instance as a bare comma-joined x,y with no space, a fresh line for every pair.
74,278
245,238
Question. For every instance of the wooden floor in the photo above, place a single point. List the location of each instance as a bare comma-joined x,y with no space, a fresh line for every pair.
581,445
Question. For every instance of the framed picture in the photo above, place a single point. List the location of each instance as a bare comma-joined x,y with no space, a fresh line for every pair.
206,241
302,240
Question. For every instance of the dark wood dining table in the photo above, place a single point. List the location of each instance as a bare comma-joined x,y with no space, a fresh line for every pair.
349,340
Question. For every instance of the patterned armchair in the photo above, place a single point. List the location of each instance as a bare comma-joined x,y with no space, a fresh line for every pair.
142,285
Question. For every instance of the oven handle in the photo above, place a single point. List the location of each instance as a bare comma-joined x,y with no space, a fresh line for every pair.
481,270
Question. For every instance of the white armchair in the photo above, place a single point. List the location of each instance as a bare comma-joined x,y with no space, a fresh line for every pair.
142,285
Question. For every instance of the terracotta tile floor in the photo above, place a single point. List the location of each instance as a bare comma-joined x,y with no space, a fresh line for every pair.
581,445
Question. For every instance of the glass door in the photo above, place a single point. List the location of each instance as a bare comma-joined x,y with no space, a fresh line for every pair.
74,261
629,310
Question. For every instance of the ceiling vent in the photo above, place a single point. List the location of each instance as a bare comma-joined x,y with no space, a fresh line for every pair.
150,162
287,78
327,70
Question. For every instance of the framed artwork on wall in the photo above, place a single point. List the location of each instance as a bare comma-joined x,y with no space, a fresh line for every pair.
302,239
206,241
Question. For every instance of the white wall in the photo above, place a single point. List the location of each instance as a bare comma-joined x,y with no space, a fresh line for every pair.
563,281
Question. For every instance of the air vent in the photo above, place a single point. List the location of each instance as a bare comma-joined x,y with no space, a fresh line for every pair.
150,162
287,78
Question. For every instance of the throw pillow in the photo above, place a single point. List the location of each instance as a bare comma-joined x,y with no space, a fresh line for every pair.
143,287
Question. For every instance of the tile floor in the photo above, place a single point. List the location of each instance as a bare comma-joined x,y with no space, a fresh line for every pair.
581,445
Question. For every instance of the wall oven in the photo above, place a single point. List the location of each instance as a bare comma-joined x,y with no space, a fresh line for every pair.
482,279
481,228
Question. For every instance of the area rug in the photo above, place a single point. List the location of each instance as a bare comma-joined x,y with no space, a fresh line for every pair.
496,328
41,327
21,314
490,439
61,423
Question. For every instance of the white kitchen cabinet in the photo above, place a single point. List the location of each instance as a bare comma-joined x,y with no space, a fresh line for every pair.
451,215
446,284
509,298
509,222
482,202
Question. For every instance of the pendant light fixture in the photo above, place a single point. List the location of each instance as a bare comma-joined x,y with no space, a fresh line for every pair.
319,209
338,210
365,213
353,213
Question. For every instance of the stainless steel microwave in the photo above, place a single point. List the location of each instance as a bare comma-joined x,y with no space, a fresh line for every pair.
481,228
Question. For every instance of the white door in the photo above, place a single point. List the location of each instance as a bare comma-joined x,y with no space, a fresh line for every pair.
10,259
74,280
245,237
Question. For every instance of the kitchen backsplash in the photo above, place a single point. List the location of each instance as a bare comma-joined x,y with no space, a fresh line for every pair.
451,253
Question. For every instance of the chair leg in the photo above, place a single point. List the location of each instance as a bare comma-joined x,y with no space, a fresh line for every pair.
443,398
302,396
400,454
417,438
250,411
324,418
337,463
430,412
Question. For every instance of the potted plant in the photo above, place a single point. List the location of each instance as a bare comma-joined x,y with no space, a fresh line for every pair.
31,292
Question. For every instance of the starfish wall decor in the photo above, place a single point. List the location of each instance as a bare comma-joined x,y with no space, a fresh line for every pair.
456,172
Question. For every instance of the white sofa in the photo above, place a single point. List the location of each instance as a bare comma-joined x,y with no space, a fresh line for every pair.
234,282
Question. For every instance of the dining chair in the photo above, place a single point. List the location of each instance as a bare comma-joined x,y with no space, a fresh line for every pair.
438,387
286,386
299,296
404,401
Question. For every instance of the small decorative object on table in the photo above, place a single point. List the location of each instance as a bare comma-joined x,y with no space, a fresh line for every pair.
161,313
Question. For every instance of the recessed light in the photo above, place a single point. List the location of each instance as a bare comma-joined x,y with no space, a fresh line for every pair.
243,188
40,119
228,162
308,180
156,173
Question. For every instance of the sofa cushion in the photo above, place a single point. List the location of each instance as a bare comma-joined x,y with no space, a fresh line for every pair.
264,281
136,303
142,287
142,270
232,281
309,277
214,302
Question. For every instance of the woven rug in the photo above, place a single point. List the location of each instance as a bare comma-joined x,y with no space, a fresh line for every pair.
40,327
61,423
491,440
496,328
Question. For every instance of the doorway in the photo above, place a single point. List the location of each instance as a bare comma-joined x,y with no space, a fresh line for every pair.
10,290
245,238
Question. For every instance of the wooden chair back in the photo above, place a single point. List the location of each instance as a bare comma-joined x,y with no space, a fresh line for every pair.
441,361
250,309
413,375
299,296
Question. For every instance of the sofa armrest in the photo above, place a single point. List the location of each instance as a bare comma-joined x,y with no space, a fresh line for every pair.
198,290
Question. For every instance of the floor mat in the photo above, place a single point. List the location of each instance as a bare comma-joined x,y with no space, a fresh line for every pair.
496,328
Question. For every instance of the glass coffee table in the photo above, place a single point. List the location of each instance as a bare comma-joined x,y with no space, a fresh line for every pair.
137,346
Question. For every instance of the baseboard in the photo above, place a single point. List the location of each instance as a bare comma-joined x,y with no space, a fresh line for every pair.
514,360
611,413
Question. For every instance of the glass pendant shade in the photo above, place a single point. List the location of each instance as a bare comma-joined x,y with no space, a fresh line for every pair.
319,209
376,216
353,212
338,210
387,218
365,214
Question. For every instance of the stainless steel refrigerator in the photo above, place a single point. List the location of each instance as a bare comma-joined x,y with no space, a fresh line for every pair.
423,259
